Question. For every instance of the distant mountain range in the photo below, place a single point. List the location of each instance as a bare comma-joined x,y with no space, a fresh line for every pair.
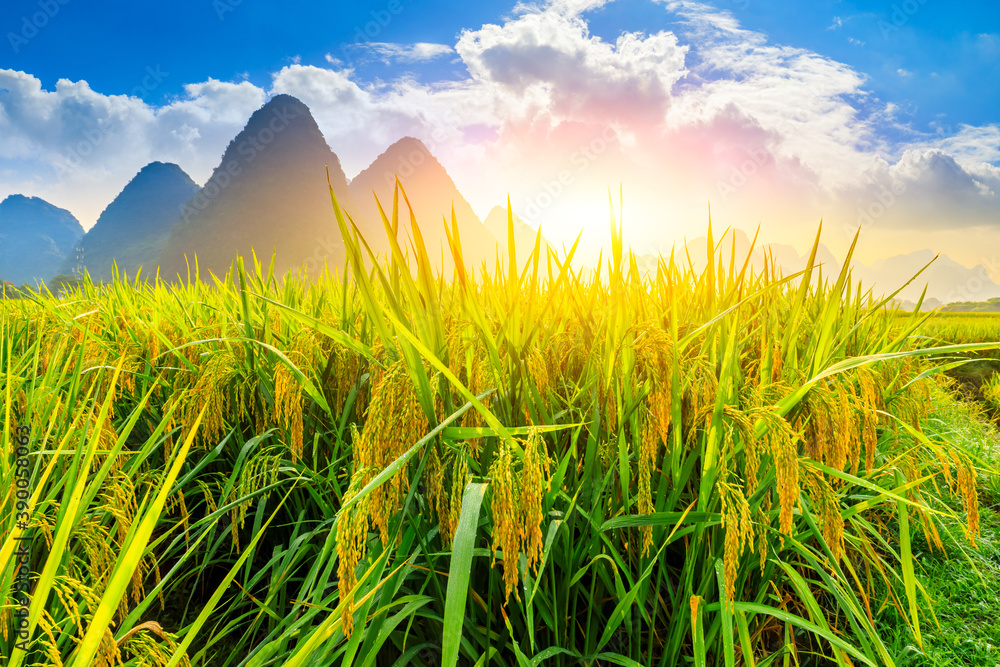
524,237
36,238
735,244
946,280
432,194
949,281
269,194
132,230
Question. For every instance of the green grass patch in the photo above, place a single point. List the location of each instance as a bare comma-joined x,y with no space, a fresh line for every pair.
962,582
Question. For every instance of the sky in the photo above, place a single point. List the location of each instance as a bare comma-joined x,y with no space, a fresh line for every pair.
883,116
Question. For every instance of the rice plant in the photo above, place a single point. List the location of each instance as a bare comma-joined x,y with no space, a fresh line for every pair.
497,467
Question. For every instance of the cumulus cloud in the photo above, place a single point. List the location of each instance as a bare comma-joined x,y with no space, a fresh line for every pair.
547,63
815,106
358,121
81,146
927,189
972,146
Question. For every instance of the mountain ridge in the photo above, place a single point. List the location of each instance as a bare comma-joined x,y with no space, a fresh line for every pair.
268,195
433,195
36,237
131,231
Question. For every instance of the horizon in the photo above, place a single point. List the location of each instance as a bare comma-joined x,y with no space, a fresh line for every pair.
685,105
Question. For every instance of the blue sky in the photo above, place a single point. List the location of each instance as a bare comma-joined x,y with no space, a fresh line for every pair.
938,61
778,113
935,59
226,39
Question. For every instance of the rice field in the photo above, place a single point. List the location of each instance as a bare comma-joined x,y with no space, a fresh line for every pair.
944,327
977,374
386,467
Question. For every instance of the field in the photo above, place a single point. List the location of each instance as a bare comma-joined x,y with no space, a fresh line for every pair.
525,467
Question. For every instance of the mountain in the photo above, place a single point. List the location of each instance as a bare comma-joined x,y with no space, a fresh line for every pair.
432,194
785,257
269,194
909,306
133,228
35,239
524,236
946,279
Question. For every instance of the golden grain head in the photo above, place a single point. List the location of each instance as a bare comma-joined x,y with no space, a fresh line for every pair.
534,484
739,531
506,511
783,446
352,536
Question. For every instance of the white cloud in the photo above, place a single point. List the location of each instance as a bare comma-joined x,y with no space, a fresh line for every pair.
81,146
547,64
988,45
926,189
406,53
713,113
358,122
972,145
809,102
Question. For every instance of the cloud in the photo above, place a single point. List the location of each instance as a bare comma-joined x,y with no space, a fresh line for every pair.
925,190
546,65
79,147
389,53
988,45
360,120
814,106
541,90
971,145
711,112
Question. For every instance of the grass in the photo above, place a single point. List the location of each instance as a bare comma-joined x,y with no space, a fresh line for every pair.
503,468
958,579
